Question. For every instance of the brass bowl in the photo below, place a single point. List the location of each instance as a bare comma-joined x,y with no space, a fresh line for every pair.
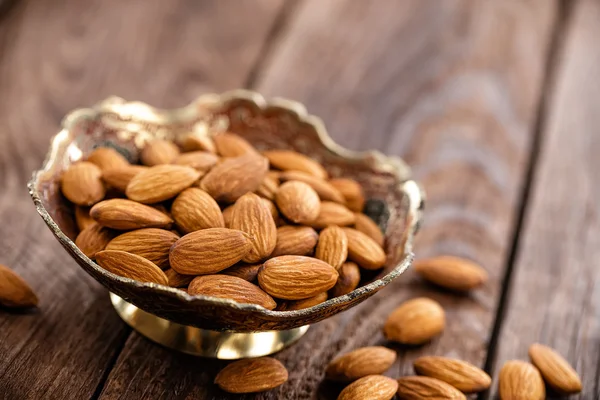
394,200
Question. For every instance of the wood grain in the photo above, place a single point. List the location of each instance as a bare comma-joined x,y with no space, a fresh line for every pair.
554,296
55,56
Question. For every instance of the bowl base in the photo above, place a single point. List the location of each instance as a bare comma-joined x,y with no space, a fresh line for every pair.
204,342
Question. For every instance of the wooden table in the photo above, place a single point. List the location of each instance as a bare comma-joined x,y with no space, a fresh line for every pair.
495,105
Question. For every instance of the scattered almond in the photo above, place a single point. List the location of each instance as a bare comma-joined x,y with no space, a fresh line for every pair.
232,145
460,374
177,280
125,214
302,304
348,280
451,273
415,321
272,207
352,192
234,177
107,158
131,266
423,387
195,142
295,240
194,209
332,246
247,272
93,239
231,287
14,291
201,161
289,160
323,188
371,387
333,214
82,184
160,183
268,188
120,177
252,375
367,226
82,217
298,202
363,250
252,216
151,243
158,151
373,360
555,370
520,380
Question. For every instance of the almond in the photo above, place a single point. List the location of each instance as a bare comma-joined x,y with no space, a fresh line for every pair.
520,380
247,272
82,184
451,273
289,160
93,239
252,216
252,375
227,214
177,280
302,304
371,387
119,178
298,202
323,188
415,321
234,177
195,142
194,209
230,287
296,277
460,374
352,192
361,362
151,243
201,161
348,280
232,145
209,251
160,183
423,387
125,214
131,266
271,206
367,226
332,246
268,188
333,214
159,151
82,217
14,291
555,370
363,250
107,158
295,240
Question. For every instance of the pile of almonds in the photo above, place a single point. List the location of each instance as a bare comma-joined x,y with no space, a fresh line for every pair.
215,217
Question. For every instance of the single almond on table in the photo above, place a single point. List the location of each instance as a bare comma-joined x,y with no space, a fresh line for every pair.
194,209
520,380
348,280
295,240
367,226
363,250
82,184
209,251
352,192
293,305
296,277
333,214
298,202
93,239
125,214
196,142
247,272
120,177
332,246
252,375
83,218
460,374
555,370
131,266
14,291
371,387
254,217
160,183
451,273
231,287
232,145
424,387
177,280
288,160
159,151
323,188
234,177
107,158
268,188
151,243
201,161
372,360
415,321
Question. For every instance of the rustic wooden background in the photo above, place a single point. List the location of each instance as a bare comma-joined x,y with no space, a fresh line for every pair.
495,104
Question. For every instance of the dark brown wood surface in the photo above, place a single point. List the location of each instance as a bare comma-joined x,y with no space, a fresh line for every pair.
457,88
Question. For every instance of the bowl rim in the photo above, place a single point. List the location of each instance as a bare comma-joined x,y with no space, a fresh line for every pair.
206,103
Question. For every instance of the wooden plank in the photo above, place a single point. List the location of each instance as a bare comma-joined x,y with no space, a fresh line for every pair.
451,86
63,54
555,290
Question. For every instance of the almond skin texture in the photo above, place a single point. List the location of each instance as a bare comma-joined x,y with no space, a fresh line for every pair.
361,362
232,145
93,239
520,380
82,184
194,142
201,161
295,240
423,387
14,291
302,304
333,246
415,321
234,177
125,214
371,387
247,272
333,214
460,374
254,217
298,202
194,209
209,251
107,158
158,151
348,280
363,250
296,277
555,370
177,280
160,183
352,192
252,375
119,178
451,273
268,188
151,243
131,266
82,217
230,287
367,226
323,188
288,160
